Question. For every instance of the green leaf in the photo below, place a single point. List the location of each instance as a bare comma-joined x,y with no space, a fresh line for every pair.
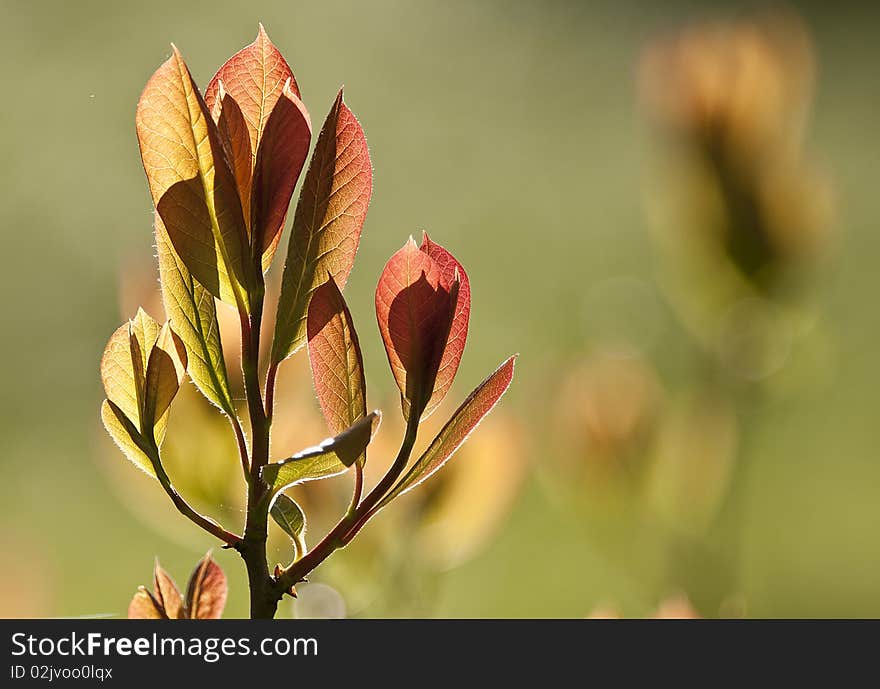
465,419
290,517
192,312
143,331
120,429
141,369
331,457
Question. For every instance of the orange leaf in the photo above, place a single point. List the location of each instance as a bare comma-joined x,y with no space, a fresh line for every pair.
264,125
192,186
206,591
327,224
335,356
144,606
450,267
167,593
165,371
415,303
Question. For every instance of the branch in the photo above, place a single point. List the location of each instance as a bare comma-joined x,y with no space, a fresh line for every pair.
187,511
354,520
242,448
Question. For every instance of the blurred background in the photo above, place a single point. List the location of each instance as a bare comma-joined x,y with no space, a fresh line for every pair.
670,212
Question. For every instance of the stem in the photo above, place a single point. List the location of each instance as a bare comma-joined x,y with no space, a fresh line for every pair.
271,374
409,439
150,448
264,600
242,448
354,520
358,490
187,511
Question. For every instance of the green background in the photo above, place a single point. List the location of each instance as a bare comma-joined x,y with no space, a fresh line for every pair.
510,131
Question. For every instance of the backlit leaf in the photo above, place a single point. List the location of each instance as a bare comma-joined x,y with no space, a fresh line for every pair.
124,365
290,517
233,132
167,593
143,332
280,159
451,358
191,184
327,223
266,131
335,356
333,456
253,80
118,375
192,311
114,420
165,371
141,368
415,301
465,419
145,607
206,591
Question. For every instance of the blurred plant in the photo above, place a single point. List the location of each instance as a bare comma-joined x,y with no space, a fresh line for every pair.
221,171
691,462
675,607
607,415
742,218
205,595
741,222
27,588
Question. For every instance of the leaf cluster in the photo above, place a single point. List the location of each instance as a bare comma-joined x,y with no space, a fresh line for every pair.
222,169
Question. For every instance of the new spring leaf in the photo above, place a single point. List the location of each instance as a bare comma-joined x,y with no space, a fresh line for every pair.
331,457
191,184
266,131
327,224
415,305
335,356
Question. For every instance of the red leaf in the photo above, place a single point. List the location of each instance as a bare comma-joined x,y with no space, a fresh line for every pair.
449,266
266,130
206,591
327,225
335,356
415,304
167,593
254,77
465,419
280,158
